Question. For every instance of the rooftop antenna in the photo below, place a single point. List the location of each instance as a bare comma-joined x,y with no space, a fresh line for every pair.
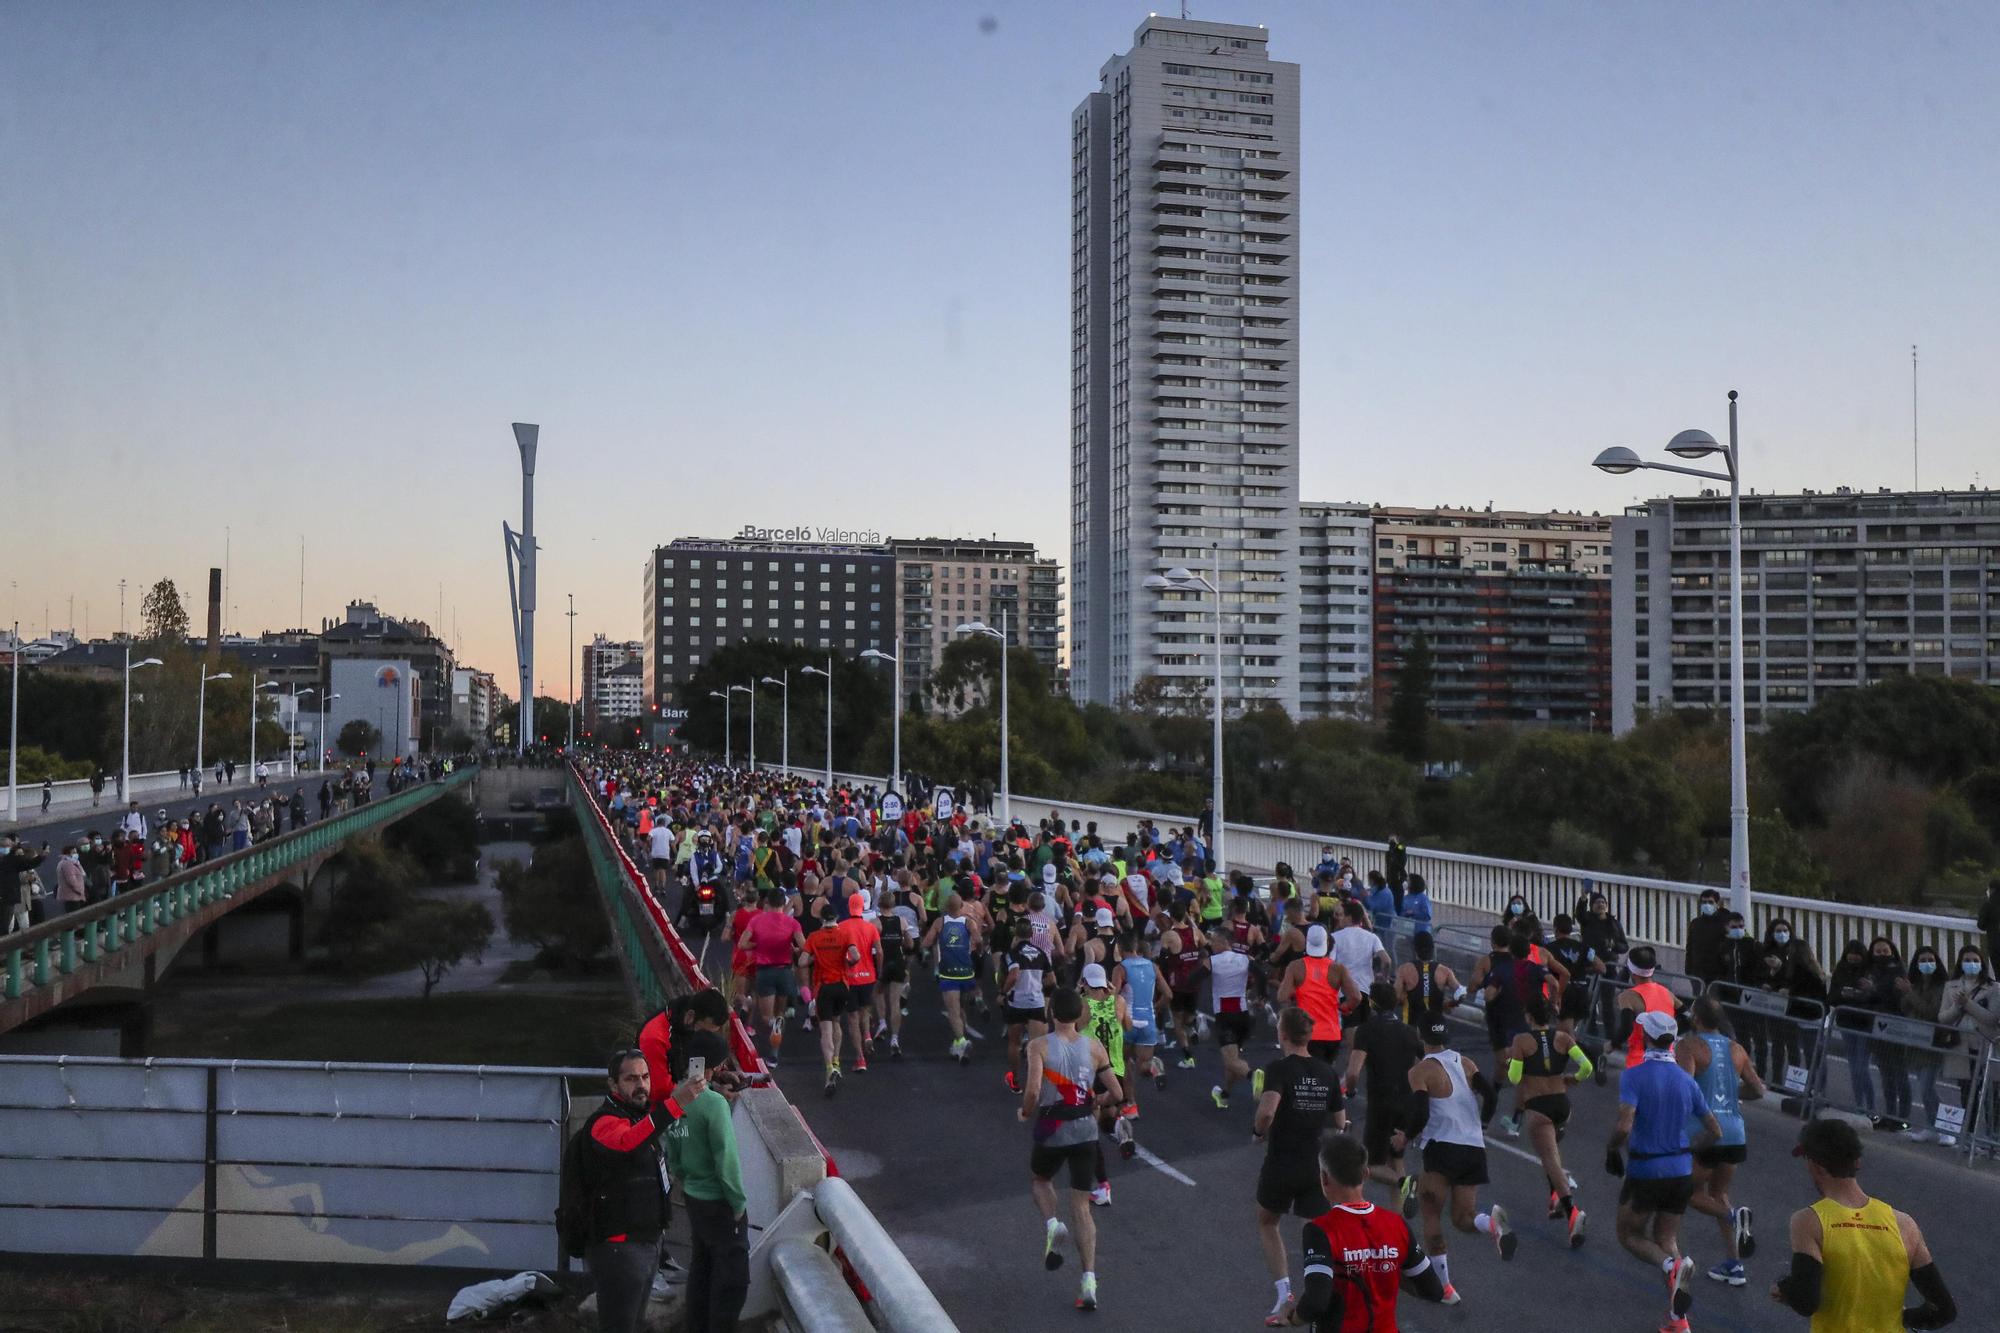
1916,470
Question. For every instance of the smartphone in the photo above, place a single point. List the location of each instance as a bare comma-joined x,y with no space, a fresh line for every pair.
697,1066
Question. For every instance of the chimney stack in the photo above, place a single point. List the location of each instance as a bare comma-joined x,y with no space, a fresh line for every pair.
214,615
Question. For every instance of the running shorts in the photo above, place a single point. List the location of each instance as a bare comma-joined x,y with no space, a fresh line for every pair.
779,980
957,984
1143,1034
1323,1050
1722,1154
1385,1117
1458,1163
1023,1015
859,998
1080,1158
830,1001
1660,1195
1286,1185
1234,1030
1554,1105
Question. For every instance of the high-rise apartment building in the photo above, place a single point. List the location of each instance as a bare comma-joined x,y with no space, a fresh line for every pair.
944,583
1840,589
1336,593
1515,607
1184,388
610,694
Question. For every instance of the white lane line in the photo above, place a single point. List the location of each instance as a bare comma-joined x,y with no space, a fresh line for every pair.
1153,1159
1521,1153
970,1030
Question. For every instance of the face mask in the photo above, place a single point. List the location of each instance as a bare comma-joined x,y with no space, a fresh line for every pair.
1970,967
1736,932
1708,909
1926,967
1781,937
1882,958
1517,906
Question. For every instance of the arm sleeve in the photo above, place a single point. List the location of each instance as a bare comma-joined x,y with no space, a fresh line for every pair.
1515,1069
1800,1287
1319,1296
1938,1308
1582,1062
1420,1275
1417,1116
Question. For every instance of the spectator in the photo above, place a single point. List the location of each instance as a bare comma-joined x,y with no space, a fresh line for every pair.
1416,905
1886,966
1989,918
71,892
1853,989
133,824
1705,934
627,1192
298,807
701,1155
48,793
325,798
1972,1005
1920,995
1396,863
96,787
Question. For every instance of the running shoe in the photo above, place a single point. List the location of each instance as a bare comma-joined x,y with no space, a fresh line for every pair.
881,1028
1451,1296
1575,1227
1680,1297
1730,1271
1121,1134
1746,1244
1219,1097
1052,1255
1406,1193
1100,1194
1277,1319
1257,1083
1130,1111
860,1064
895,1048
1158,1069
1504,1239
832,1081
1674,1326
1086,1296
1555,1205
1511,1126
1013,1081
1187,1062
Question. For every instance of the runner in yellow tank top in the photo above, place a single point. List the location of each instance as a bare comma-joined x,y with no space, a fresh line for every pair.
1852,1256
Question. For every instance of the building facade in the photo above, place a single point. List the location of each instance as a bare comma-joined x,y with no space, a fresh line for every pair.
387,694
1840,589
365,634
1515,608
1336,597
945,583
1184,387
474,702
608,694
702,595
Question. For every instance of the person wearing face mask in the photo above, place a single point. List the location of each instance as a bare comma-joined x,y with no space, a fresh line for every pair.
1891,1059
1853,989
1920,995
1705,936
1790,968
1605,939
1972,1005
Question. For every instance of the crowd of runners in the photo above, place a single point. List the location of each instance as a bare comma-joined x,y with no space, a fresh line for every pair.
1111,956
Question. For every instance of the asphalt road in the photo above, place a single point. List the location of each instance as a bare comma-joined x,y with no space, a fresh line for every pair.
59,827
936,1152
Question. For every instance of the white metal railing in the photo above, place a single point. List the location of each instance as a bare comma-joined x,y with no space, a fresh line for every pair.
71,794
1655,911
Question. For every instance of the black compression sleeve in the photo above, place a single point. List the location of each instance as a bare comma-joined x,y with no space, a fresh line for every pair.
1425,1283
1938,1308
1800,1287
1319,1301
1417,1116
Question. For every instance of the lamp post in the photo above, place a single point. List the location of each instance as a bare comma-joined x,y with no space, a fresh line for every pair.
828,673
324,700
267,685
292,730
125,758
1692,444
201,709
895,713
784,720
751,690
14,731
1186,580
980,627
726,711
572,672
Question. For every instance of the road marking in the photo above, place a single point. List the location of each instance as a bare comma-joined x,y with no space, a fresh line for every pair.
1521,1153
1154,1160
970,1030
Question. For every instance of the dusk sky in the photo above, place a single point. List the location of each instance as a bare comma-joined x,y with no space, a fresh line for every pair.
292,269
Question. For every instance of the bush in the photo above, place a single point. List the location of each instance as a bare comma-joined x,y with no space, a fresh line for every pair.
433,935
373,887
442,838
36,764
553,905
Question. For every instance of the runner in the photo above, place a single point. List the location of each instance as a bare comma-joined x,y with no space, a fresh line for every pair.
898,922
1426,986
1022,997
1300,1094
1544,1064
1852,1255
1063,1067
1385,1048
1358,1257
1723,1069
829,949
863,968
1229,981
773,939
1646,996
1453,1105
1108,1018
955,937
1138,979
1323,987
1184,959
1656,1102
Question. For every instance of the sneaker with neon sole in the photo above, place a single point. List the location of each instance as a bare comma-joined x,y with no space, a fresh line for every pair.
1086,1296
1055,1234
1680,1296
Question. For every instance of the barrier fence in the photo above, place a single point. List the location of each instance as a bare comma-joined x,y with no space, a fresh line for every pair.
1782,1033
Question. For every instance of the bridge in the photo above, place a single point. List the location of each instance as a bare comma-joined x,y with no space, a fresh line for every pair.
125,942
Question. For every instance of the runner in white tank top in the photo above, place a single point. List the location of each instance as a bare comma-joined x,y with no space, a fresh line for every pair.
1229,979
1455,1101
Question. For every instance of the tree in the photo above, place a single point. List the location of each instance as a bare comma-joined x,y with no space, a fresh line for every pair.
552,904
442,838
1410,704
162,618
372,890
358,738
433,935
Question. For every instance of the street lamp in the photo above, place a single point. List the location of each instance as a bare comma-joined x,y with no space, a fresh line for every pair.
125,760
828,673
292,730
324,700
895,713
726,711
1185,580
14,731
1693,444
201,709
980,627
267,685
784,721
751,690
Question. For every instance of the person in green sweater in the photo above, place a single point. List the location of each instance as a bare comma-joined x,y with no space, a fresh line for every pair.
701,1155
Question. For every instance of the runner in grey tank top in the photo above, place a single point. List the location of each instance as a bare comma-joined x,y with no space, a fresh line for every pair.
1068,1070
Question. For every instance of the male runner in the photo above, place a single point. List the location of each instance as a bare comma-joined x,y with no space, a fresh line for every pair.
863,968
1853,1255
956,938
1322,986
1184,959
1723,1069
1063,1068
828,949
1426,986
1138,979
1021,996
1358,1257
1385,1047
1656,1102
1229,984
1544,1063
1645,996
773,939
1107,1017
1300,1095
1452,1108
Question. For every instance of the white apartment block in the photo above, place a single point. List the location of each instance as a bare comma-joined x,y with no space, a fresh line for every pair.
1184,397
1336,594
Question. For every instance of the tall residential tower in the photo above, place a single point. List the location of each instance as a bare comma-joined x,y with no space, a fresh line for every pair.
1184,433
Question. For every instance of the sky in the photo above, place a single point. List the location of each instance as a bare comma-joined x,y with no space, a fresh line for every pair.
273,274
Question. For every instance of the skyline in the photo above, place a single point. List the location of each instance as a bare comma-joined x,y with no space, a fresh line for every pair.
306,260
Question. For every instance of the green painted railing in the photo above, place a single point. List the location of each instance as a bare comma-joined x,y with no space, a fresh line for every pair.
102,931
636,938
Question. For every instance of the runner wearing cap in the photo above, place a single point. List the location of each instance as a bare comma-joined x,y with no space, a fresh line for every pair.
1322,987
863,970
1106,1019
1453,1103
1063,1068
956,937
1852,1255
1657,1101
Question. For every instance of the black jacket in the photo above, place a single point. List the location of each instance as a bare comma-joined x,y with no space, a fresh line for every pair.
1704,945
623,1172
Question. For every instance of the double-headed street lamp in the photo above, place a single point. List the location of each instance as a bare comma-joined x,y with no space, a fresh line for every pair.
895,712
254,688
784,721
980,627
292,729
201,710
324,700
751,690
1184,581
726,712
1693,444
125,759
828,673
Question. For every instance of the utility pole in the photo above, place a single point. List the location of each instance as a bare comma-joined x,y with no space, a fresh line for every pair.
1916,468
572,671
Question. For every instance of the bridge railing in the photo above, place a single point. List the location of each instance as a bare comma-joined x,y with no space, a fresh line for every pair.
1653,911
122,926
165,784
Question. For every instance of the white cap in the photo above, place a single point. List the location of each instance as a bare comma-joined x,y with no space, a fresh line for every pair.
1093,975
1316,941
1658,1025
1104,917
1049,873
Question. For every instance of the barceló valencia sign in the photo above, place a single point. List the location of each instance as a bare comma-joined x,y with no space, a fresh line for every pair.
805,533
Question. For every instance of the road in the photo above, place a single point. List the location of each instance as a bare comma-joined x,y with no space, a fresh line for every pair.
59,827
936,1152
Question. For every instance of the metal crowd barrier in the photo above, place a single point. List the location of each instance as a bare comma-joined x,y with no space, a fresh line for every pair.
1980,1105
1784,1034
1903,1052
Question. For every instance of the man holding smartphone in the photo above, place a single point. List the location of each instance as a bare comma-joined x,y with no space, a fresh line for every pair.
701,1155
